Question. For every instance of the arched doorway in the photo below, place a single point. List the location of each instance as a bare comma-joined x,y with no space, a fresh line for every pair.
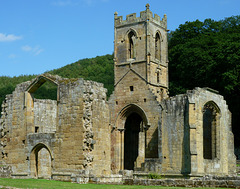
41,162
133,126
130,139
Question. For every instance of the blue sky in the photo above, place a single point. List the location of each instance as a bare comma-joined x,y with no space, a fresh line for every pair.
41,35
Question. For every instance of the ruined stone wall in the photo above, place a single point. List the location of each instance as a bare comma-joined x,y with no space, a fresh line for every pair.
72,136
175,135
82,129
208,181
4,121
225,160
182,135
101,132
13,139
45,112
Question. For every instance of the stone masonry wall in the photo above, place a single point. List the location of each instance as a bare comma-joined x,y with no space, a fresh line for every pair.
210,182
74,130
101,132
140,97
149,62
82,137
13,137
225,162
69,143
182,135
175,135
45,112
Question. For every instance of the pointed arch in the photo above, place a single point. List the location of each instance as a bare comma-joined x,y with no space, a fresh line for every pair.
129,109
158,45
211,124
38,146
41,161
133,31
131,43
40,80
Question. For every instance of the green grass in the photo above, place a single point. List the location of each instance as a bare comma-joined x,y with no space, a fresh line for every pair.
238,165
39,183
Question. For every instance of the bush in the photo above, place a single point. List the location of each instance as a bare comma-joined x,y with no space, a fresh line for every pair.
155,176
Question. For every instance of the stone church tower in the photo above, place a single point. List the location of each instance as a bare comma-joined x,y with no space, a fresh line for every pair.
140,46
141,82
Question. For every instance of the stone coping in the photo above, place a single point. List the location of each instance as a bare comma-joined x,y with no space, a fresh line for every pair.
184,182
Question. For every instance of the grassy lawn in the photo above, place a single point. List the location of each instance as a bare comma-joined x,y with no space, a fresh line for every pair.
38,183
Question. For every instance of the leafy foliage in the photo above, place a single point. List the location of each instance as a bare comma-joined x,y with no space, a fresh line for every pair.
47,91
98,69
155,176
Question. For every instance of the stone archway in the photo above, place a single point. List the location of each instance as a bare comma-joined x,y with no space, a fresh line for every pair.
41,162
132,124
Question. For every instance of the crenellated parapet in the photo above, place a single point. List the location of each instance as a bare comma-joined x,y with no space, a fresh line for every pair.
145,16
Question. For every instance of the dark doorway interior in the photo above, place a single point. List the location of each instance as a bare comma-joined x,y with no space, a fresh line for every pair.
209,133
131,137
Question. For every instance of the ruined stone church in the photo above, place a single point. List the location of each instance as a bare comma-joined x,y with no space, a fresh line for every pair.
83,135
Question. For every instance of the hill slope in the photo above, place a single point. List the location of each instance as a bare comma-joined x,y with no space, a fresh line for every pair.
98,69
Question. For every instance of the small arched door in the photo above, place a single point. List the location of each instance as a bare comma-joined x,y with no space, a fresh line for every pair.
41,162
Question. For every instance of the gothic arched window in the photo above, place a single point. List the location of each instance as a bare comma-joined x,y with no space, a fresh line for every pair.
131,48
210,124
157,46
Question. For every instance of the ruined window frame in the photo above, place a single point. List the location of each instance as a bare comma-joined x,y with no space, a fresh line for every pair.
211,149
158,46
131,45
29,100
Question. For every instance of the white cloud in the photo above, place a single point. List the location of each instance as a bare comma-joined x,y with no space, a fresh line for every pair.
37,50
12,56
34,50
9,37
88,2
63,3
26,48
